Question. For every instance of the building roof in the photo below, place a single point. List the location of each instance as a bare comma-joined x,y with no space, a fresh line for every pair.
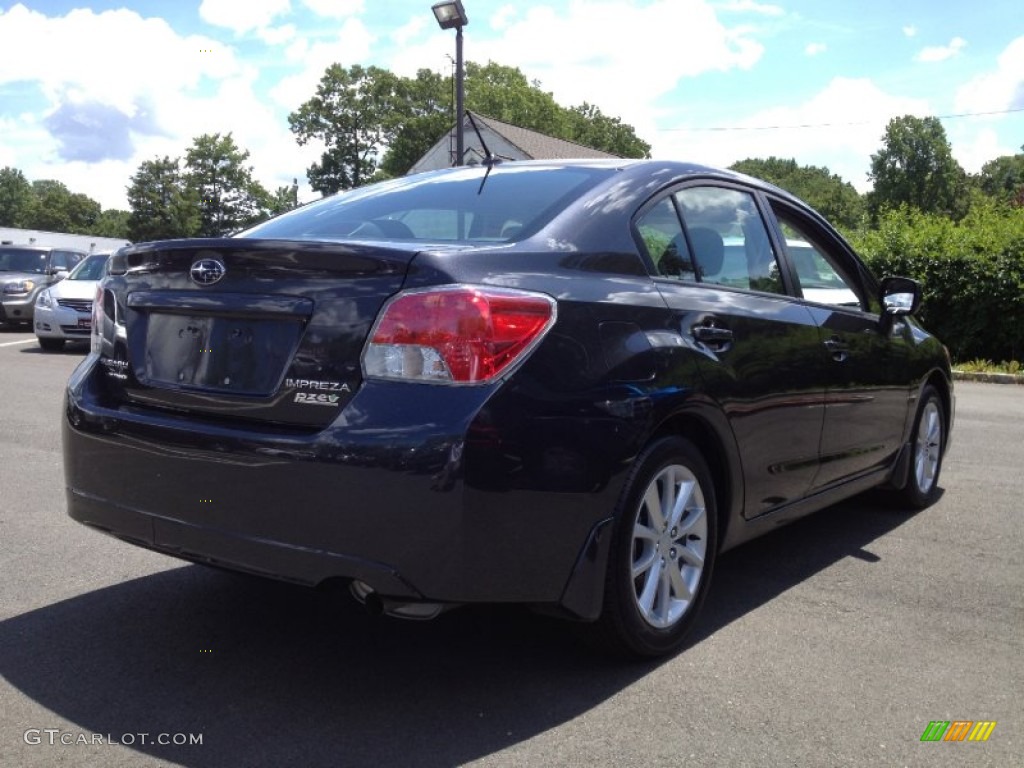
87,243
536,145
506,142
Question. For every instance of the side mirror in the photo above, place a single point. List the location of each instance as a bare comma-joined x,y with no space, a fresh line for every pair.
59,274
900,296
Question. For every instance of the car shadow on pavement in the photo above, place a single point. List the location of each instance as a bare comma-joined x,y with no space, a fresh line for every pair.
79,348
273,674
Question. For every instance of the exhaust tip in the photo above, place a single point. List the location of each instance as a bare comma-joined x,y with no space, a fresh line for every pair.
376,605
369,599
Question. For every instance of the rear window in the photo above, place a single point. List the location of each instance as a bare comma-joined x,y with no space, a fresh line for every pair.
457,206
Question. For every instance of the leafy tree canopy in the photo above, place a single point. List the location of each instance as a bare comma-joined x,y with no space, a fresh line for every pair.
229,197
350,113
1003,178
375,124
833,198
162,206
915,167
55,208
15,198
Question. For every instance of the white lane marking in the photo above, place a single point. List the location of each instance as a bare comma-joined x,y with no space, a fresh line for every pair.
14,343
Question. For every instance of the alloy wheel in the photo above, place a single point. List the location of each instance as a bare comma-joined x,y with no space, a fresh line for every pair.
670,535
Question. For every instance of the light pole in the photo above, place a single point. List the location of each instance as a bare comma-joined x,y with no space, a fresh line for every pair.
450,14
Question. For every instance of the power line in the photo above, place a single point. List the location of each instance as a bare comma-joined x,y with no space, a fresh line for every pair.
796,126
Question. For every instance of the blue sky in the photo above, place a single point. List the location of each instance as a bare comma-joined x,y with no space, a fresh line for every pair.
90,89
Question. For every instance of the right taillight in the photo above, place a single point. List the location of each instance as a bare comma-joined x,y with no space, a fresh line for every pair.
457,334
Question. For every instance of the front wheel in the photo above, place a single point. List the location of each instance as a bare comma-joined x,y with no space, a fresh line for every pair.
50,345
929,437
663,551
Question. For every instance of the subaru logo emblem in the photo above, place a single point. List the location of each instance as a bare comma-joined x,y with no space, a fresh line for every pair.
207,271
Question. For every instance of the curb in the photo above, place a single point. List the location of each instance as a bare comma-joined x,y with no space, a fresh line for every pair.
989,378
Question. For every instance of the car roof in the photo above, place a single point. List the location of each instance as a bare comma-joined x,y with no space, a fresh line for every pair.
635,167
40,248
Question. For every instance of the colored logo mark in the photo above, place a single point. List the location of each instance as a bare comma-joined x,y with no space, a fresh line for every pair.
958,730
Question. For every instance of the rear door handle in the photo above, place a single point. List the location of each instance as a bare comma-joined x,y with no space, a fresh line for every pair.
838,348
714,337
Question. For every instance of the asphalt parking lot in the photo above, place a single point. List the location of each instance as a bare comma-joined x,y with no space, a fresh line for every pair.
833,642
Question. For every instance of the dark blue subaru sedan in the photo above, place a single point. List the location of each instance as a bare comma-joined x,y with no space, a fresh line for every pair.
569,385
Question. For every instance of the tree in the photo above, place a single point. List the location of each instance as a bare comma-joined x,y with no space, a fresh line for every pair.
15,198
281,200
833,198
350,114
112,223
1003,178
375,124
505,94
423,112
162,206
229,197
587,125
915,167
54,208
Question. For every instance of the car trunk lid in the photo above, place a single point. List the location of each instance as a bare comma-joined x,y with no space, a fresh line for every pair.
244,329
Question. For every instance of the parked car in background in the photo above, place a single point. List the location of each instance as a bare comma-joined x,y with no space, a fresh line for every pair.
25,270
533,382
63,312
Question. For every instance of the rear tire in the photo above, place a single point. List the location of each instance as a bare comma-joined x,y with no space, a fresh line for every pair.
929,442
50,345
663,551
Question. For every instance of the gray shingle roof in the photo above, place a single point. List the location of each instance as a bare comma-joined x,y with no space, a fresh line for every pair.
539,146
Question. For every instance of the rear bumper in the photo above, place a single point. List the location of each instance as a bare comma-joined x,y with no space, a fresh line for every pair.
419,512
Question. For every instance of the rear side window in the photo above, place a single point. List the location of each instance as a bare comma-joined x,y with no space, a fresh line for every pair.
64,259
729,240
662,235
459,206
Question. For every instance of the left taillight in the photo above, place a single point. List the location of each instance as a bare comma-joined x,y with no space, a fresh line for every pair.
456,334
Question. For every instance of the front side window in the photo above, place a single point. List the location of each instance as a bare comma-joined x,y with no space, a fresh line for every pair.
730,242
819,274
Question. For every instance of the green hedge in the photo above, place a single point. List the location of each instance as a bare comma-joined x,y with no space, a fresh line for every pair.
972,273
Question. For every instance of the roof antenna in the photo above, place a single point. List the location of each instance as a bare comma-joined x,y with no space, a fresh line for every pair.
489,159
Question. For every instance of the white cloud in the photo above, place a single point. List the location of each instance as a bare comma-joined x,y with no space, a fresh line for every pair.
504,17
1000,89
410,30
840,127
158,89
749,6
910,30
350,46
813,49
335,9
657,46
973,148
241,17
941,52
158,59
277,35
